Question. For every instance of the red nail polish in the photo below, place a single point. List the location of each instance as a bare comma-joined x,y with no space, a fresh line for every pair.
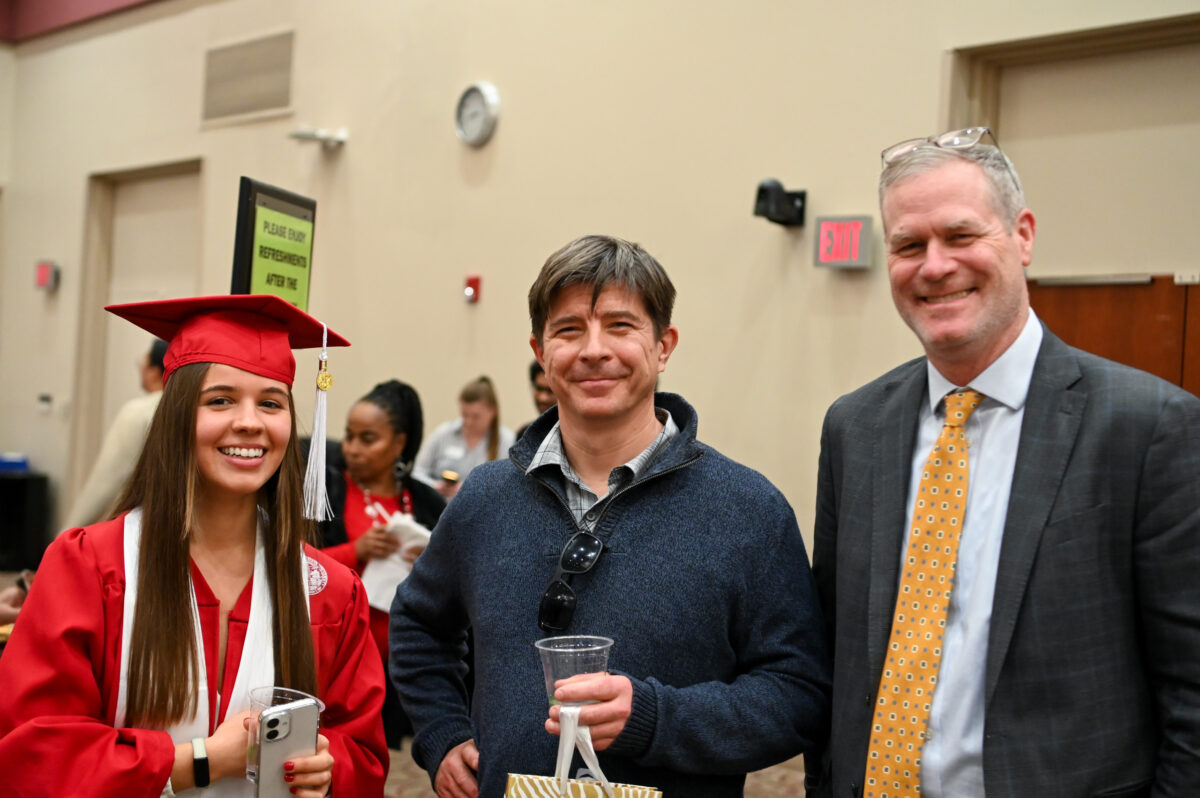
289,777
289,765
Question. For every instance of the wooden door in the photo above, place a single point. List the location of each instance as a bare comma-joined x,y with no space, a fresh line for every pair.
1152,325
1191,341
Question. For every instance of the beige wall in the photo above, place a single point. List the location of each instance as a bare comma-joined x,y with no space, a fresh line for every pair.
646,119
8,98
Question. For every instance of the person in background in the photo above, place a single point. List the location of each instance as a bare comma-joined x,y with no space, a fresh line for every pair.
129,671
610,518
122,444
1009,518
13,598
543,394
369,478
457,446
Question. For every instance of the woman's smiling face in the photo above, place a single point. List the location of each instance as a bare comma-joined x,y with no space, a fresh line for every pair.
243,425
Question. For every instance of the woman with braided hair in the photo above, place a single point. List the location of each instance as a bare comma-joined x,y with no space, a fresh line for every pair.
382,515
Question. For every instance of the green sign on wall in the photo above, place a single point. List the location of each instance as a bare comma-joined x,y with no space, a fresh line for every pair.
282,256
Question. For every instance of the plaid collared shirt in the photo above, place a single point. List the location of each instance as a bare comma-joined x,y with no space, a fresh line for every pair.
585,505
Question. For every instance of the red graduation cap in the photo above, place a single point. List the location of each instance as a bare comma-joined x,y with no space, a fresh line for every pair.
254,332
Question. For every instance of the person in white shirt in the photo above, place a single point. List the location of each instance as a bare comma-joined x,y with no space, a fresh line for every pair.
122,444
457,446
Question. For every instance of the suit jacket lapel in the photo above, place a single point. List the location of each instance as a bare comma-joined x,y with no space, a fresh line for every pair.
1053,412
894,436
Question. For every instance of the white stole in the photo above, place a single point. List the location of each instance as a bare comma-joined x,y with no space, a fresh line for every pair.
256,668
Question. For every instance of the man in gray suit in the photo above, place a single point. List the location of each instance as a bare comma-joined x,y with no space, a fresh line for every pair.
1069,660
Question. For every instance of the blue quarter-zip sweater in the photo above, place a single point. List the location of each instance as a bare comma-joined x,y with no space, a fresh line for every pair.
704,584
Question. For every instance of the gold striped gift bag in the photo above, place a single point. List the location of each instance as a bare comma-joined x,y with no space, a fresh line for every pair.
523,786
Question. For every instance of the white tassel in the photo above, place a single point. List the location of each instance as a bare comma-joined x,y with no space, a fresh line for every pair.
316,498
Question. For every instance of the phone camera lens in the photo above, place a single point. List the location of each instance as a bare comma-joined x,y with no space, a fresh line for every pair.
272,734
272,723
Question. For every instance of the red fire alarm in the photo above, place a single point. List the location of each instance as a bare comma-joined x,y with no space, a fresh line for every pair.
46,275
472,288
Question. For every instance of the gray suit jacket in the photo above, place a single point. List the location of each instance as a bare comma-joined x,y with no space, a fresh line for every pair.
1093,668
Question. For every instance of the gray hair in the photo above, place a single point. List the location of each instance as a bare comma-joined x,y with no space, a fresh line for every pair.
1008,198
601,262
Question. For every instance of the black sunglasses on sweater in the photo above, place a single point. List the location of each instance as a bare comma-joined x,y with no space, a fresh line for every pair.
558,602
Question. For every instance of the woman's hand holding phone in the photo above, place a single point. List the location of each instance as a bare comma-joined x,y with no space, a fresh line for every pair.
311,776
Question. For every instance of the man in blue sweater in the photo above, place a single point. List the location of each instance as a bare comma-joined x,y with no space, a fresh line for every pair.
691,562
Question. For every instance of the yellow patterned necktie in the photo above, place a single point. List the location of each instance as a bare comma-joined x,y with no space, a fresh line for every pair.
915,645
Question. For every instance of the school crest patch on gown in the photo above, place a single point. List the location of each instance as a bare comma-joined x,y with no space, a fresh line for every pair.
317,576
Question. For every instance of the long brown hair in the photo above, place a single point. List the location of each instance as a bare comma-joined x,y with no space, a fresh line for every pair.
162,666
482,390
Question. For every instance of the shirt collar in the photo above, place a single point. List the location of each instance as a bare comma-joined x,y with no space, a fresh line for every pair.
551,451
1006,380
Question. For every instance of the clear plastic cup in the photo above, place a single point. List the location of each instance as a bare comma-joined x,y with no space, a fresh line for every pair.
570,655
264,698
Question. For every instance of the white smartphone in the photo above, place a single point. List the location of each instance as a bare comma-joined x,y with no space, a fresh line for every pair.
285,732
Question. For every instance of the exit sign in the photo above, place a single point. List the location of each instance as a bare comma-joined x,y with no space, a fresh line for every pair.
843,242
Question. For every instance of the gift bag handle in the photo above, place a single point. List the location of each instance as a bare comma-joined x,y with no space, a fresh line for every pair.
571,736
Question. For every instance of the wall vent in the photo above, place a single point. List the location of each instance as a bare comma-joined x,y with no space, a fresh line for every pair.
248,77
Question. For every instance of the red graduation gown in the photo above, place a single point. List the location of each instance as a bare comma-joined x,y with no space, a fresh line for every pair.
60,670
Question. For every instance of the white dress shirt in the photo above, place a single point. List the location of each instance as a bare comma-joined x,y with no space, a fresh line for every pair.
952,757
446,450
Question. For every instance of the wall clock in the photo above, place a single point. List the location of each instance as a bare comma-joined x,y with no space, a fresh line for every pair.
477,113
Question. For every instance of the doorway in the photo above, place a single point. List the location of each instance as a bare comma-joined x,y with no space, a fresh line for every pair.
1102,126
142,242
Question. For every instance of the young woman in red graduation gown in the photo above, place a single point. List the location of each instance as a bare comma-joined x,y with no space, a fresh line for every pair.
147,631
